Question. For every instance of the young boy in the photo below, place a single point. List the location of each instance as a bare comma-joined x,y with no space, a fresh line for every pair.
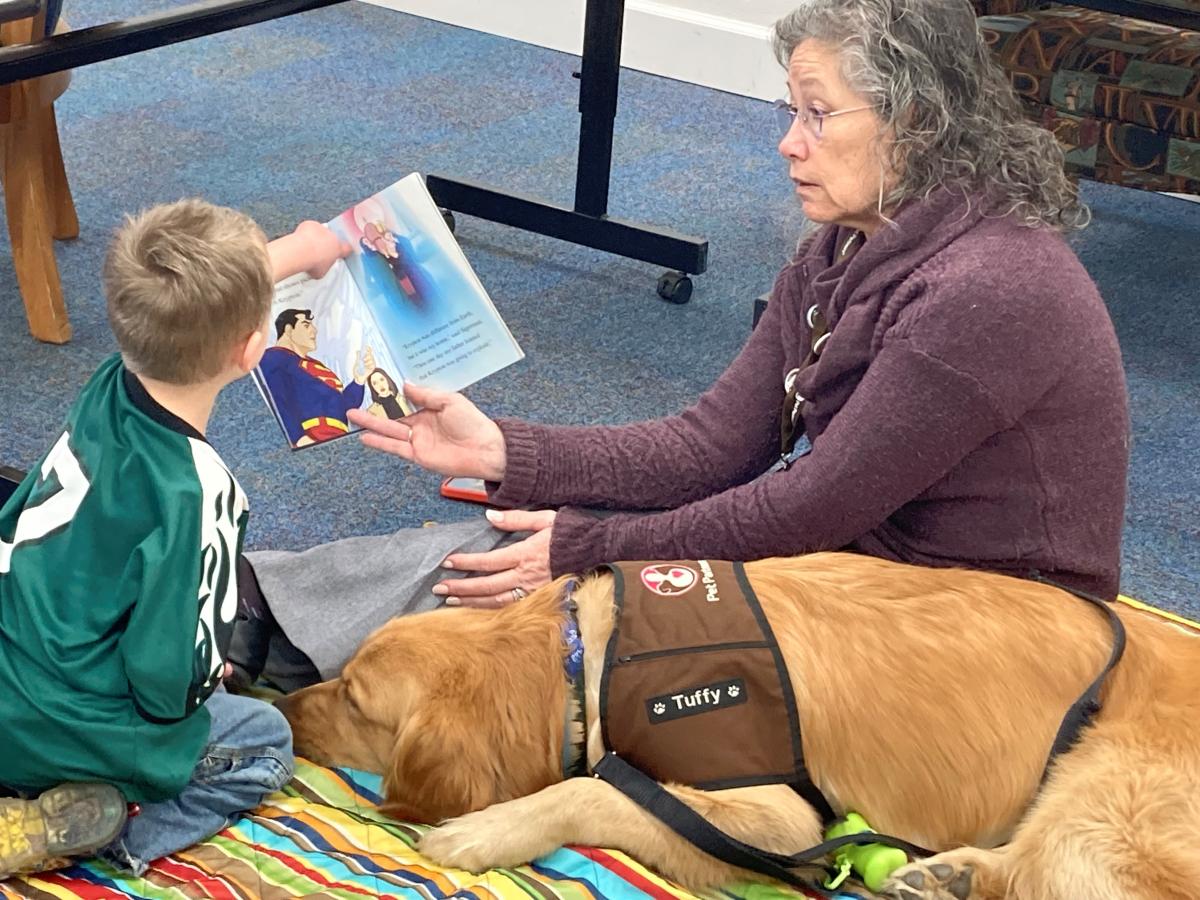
118,564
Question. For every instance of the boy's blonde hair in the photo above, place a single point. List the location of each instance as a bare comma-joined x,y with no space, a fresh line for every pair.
184,282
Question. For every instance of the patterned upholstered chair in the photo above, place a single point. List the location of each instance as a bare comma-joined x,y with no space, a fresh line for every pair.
1121,94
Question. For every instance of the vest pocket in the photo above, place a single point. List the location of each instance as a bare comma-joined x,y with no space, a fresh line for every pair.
679,651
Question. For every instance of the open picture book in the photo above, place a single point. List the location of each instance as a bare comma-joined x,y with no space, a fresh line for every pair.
404,306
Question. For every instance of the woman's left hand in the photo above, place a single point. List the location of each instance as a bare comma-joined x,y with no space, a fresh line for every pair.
512,571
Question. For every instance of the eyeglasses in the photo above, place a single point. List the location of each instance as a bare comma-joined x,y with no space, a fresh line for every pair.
810,119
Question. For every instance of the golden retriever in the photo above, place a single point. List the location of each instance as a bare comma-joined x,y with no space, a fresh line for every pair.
928,700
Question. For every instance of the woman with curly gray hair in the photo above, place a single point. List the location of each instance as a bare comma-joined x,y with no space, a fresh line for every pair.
935,379
941,111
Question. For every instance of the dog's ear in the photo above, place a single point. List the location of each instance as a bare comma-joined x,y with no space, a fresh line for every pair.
438,770
485,724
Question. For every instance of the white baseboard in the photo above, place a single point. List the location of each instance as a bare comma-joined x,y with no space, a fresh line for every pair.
681,42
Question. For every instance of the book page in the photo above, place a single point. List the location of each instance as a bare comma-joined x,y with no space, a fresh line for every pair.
327,357
432,310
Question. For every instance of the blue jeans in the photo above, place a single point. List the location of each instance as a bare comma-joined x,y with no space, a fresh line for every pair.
248,756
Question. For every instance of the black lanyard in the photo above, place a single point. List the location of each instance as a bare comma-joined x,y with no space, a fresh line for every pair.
789,420
793,403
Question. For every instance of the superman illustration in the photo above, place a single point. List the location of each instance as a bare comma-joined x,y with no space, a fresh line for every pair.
309,396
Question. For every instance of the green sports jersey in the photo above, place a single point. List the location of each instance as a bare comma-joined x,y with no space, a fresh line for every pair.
118,596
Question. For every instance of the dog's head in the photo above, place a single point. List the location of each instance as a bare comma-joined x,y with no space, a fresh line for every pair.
458,708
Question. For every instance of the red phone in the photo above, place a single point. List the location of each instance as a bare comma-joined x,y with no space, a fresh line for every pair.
460,488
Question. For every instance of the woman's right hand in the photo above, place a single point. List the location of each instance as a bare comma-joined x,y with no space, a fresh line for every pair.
448,435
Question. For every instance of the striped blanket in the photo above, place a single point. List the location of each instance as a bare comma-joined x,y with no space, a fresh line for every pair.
322,836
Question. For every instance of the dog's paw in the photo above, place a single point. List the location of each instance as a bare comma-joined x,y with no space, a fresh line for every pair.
455,845
480,841
929,880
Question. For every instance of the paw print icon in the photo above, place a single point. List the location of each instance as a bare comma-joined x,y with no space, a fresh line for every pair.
733,690
660,708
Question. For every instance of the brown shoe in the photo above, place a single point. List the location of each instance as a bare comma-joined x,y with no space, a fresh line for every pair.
65,821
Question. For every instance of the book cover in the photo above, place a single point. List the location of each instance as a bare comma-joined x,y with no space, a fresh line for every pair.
404,306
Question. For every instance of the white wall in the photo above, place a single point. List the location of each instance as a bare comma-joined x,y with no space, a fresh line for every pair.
724,44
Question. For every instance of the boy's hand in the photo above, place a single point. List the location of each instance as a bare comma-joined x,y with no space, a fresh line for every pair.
321,247
311,248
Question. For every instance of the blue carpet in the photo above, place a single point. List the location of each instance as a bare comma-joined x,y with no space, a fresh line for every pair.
301,117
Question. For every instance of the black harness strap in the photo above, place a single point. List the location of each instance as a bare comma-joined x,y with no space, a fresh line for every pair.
813,796
694,828
1083,710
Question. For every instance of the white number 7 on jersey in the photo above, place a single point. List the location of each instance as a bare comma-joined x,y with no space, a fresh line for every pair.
56,510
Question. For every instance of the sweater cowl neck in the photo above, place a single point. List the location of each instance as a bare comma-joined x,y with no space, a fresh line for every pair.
921,230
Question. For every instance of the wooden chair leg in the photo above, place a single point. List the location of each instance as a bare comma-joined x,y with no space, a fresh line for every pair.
64,224
27,207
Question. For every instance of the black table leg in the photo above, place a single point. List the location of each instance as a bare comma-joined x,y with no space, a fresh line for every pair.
588,222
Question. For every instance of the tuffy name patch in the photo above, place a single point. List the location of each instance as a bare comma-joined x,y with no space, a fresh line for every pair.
696,700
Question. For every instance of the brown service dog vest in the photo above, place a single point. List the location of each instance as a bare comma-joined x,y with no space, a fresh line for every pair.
694,689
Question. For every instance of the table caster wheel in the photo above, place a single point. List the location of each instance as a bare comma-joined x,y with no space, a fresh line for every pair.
675,287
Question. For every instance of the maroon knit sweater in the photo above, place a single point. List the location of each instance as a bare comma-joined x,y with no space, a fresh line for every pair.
969,408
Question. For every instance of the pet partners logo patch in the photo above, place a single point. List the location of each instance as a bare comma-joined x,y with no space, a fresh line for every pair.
693,701
711,594
666,580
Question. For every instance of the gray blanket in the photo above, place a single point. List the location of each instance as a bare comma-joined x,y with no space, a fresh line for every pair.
327,599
